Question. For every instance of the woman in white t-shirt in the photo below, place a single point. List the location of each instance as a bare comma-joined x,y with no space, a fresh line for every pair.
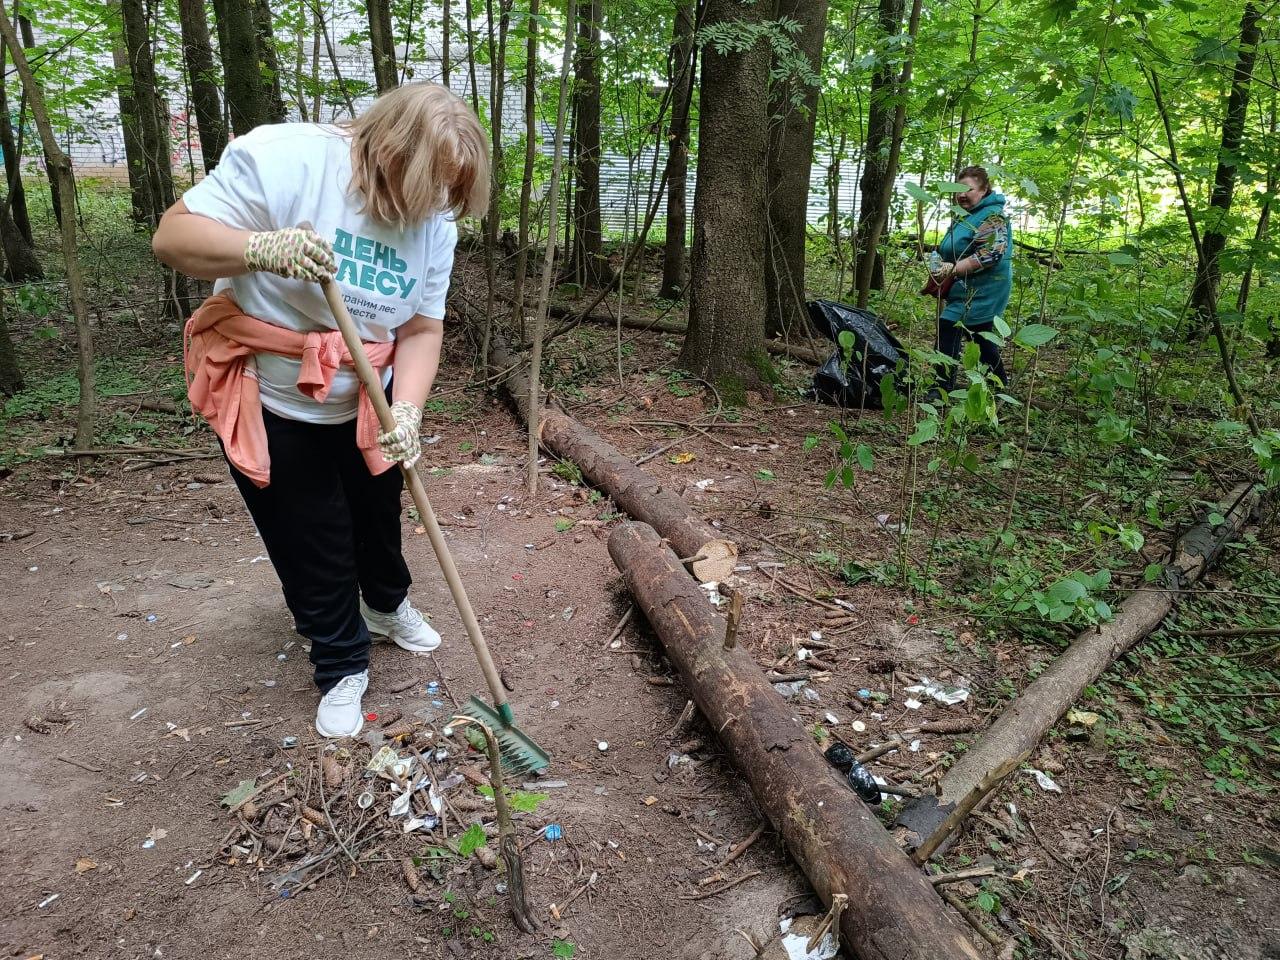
265,365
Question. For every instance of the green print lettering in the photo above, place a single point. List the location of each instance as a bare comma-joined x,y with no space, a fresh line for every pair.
371,265
342,243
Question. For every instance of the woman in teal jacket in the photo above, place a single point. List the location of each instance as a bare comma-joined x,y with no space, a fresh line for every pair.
977,252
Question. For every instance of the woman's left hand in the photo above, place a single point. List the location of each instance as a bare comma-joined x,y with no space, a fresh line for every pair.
403,443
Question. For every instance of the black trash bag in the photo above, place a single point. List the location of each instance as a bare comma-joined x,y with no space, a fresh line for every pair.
876,352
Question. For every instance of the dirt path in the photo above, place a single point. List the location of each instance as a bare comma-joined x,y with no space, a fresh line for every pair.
99,610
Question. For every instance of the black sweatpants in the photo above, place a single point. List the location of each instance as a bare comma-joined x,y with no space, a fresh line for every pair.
952,338
332,531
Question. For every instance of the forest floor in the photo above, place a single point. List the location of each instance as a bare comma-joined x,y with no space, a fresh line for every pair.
143,586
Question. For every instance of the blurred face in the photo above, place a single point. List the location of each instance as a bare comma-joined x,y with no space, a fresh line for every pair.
971,197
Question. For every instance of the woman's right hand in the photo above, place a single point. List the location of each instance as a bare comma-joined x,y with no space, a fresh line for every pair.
296,253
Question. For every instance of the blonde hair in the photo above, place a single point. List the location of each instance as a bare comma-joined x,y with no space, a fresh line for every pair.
418,151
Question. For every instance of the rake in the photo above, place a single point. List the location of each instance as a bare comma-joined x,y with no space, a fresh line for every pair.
519,752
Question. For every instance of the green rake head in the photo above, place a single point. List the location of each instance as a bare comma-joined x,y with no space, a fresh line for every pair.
518,751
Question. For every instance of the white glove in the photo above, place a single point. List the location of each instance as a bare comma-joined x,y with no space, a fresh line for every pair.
403,443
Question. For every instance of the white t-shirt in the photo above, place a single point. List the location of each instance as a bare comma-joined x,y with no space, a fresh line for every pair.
280,175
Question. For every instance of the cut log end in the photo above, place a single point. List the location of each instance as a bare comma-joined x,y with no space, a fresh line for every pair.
715,561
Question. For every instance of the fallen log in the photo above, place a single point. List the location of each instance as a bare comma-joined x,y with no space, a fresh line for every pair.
812,351
711,557
1016,732
893,912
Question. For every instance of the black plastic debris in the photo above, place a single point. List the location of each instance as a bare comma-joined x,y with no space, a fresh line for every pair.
841,757
864,784
876,353
858,777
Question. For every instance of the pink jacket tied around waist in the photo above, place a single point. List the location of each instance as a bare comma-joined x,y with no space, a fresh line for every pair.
217,345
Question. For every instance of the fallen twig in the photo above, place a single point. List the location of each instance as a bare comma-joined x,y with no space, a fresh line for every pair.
719,890
77,763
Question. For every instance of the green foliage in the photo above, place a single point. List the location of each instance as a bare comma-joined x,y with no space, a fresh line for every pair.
471,840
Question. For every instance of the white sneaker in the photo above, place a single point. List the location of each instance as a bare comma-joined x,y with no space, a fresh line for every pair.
340,713
406,627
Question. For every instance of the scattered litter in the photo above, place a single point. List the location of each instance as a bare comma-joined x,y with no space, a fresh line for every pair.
864,694
400,805
157,833
844,603
713,593
137,714
47,900
603,746
913,704
1046,782
371,717
812,694
193,878
678,760
1083,718
151,618
122,636
831,718
705,846
384,758
796,945
943,693
288,743
282,656
791,688
703,484
915,746
815,636
859,726
553,831
365,800
803,654
567,615
268,683
36,570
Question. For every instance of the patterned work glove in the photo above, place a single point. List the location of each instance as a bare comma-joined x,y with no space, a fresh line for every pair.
403,444
942,269
295,253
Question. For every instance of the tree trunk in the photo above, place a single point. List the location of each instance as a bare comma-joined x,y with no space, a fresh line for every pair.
793,114
893,912
15,195
383,43
533,408
530,154
153,127
444,42
875,156
588,266
205,98
60,171
682,66
1018,730
877,224
245,91
963,135
135,153
20,261
29,41
631,488
1204,292
269,64
498,177
10,372
727,302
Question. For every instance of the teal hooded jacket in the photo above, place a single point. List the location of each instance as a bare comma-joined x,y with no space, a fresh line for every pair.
978,298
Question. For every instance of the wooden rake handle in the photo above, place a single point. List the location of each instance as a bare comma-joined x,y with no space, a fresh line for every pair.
373,387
